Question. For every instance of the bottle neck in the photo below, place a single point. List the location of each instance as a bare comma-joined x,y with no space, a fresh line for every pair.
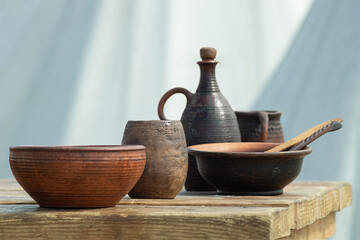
208,81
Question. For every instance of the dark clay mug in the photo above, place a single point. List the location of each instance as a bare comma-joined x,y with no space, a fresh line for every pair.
166,157
260,126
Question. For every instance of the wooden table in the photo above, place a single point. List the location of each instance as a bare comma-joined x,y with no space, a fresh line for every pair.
306,210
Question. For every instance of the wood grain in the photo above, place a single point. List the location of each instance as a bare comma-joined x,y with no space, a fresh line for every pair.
302,136
306,210
141,222
323,228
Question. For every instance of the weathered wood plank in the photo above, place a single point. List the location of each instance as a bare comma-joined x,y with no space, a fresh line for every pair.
323,228
307,201
302,205
9,184
143,222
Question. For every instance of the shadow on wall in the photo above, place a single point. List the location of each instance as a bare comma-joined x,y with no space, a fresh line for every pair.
319,80
39,71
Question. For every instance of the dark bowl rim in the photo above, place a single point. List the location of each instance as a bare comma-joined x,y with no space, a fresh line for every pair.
195,152
78,147
270,112
153,122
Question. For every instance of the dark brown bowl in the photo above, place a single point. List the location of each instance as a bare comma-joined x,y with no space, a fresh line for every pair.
245,169
77,176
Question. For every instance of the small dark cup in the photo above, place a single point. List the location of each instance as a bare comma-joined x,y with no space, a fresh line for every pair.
260,126
166,157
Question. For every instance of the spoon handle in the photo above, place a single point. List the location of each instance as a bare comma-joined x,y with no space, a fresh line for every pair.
302,136
335,125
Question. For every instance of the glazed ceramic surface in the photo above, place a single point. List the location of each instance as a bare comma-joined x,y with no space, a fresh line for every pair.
260,126
207,118
166,157
245,169
77,176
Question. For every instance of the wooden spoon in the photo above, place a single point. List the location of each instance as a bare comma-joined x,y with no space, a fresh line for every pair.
333,126
302,136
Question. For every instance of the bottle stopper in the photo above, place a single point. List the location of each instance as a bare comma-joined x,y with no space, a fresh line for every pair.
207,53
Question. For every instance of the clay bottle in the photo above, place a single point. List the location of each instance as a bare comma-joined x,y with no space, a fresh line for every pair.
207,118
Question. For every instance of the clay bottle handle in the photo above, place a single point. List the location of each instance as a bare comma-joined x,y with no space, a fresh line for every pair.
167,95
264,122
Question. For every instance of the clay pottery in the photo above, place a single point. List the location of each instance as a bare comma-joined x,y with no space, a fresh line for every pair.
77,176
166,157
245,169
207,118
260,126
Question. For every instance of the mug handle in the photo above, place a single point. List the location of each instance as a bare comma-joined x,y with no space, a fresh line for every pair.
264,122
167,95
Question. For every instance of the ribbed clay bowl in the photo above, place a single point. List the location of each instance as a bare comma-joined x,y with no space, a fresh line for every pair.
77,176
245,169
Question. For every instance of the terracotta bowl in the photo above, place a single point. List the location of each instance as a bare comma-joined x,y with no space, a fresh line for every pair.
245,169
77,176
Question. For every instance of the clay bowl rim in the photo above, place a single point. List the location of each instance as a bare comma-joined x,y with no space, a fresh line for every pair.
198,150
77,147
